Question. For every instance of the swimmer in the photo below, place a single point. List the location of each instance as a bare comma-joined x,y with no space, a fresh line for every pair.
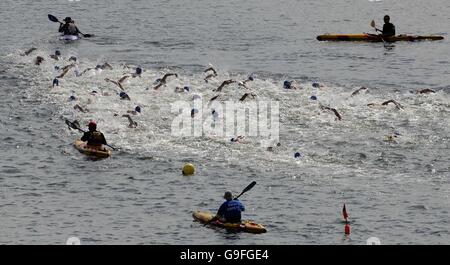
73,125
38,60
270,148
225,83
356,92
136,110
124,96
214,98
98,67
243,83
193,112
246,95
290,85
56,56
78,107
29,51
181,89
238,139
397,105
132,124
425,91
162,81
214,74
66,70
55,82
117,83
336,113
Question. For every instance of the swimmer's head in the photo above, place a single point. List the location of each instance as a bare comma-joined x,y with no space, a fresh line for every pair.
251,78
186,88
316,85
98,67
233,140
55,82
73,58
123,95
313,98
138,70
193,112
57,53
297,155
72,98
158,80
137,109
287,84
56,67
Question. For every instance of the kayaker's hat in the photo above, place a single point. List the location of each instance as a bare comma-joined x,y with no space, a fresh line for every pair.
228,195
92,125
68,19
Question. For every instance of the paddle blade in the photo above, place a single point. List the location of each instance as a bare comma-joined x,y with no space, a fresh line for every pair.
372,24
52,18
249,187
88,35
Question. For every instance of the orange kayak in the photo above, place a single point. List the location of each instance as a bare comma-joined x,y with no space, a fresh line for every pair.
91,151
244,226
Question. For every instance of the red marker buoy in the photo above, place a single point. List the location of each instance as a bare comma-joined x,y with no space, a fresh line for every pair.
347,229
347,225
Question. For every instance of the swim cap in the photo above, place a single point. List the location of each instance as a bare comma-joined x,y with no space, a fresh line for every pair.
316,85
55,82
228,195
98,66
232,140
92,125
73,58
123,94
297,155
313,98
250,78
158,80
193,111
138,109
138,70
186,88
56,67
57,53
71,98
287,84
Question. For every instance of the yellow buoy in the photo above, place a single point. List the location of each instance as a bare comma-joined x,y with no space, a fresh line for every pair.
188,169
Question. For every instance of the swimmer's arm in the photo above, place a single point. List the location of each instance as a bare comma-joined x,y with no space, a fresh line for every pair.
30,51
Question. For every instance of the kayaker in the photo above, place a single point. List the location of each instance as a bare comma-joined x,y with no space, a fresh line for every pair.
230,210
69,27
388,27
94,137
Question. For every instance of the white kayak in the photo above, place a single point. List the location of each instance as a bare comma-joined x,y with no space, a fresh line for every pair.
69,37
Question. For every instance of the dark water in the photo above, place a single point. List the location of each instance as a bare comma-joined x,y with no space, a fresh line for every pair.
396,191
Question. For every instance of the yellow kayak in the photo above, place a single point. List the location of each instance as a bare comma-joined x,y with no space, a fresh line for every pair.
375,38
91,151
244,226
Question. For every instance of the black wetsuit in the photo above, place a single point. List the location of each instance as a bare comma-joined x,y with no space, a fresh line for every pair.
94,138
69,29
388,29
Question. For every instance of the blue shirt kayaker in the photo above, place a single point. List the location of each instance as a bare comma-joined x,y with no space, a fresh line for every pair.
230,210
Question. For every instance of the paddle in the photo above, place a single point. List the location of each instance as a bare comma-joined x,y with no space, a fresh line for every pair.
249,187
372,24
76,126
54,19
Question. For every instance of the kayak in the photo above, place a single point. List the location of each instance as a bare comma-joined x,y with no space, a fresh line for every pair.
375,38
245,226
91,151
69,37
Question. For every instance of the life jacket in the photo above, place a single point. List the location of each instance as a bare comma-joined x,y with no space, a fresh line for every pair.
71,29
95,139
